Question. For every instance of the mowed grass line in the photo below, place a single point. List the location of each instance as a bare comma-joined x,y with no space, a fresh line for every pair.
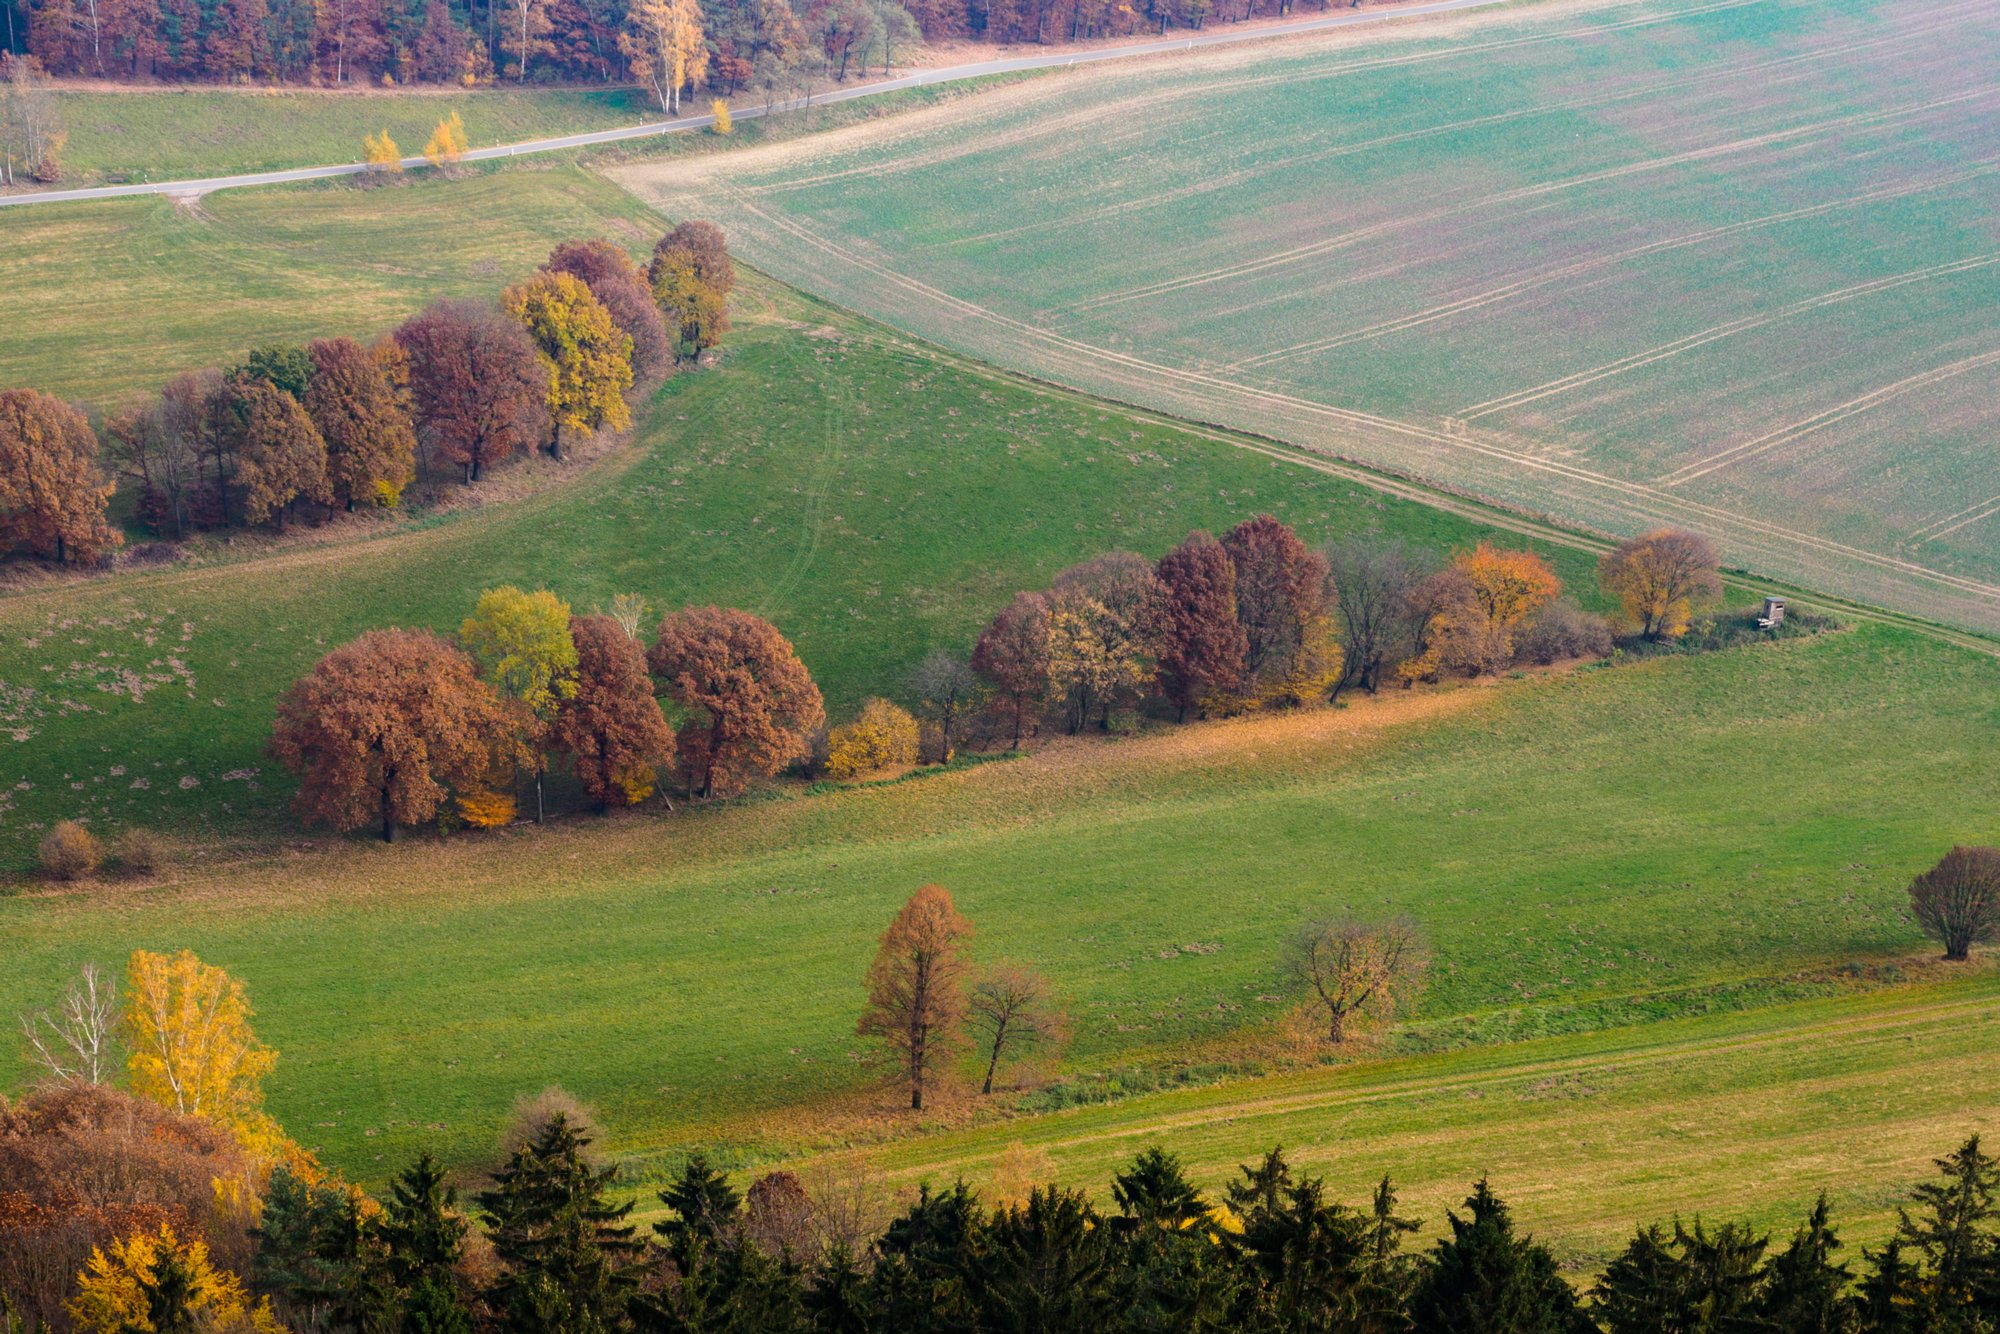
180,133
1490,259
112,297
1741,1116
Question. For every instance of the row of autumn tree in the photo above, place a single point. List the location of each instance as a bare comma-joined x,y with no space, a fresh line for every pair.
731,43
402,727
463,385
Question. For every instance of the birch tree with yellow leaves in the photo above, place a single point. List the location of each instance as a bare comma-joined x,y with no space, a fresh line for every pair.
663,41
190,1045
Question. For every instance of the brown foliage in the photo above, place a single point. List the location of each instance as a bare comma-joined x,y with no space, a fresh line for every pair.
1012,656
1354,968
282,458
616,281
52,493
81,1164
383,727
1456,636
778,1216
478,382
69,852
1105,619
612,728
751,703
371,446
1203,646
1564,631
1662,579
1282,598
1957,902
916,987
691,277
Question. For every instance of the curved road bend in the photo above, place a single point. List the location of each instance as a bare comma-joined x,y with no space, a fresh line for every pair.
946,74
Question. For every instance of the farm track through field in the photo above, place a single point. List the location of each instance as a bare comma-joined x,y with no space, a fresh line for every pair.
1728,525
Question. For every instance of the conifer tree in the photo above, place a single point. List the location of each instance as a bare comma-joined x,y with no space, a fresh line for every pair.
705,1208
567,1255
1804,1289
1953,1232
1484,1279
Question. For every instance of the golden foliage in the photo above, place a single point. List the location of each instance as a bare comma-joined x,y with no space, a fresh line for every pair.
115,1291
884,736
380,153
447,143
487,810
1661,579
589,356
1510,585
187,1028
522,643
636,781
70,852
664,43
1019,1170
720,110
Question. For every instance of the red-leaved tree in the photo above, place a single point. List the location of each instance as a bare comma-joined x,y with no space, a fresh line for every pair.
1012,656
752,706
612,728
1281,592
383,729
1202,644
617,282
479,385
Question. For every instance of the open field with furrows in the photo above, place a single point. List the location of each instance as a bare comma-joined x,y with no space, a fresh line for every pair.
1730,263
173,133
116,296
873,497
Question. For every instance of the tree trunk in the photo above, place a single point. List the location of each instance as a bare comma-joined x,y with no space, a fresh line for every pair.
1334,1026
555,442
388,822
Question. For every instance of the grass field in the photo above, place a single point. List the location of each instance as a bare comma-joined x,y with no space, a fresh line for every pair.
1726,262
174,133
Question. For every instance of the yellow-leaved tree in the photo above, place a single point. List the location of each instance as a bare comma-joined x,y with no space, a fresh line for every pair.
720,110
187,1029
447,143
382,153
664,43
152,1281
884,736
522,644
589,356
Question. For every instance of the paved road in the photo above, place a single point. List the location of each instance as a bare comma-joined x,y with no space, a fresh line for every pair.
946,74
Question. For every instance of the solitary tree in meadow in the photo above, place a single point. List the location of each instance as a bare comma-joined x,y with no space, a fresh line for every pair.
1351,968
691,276
750,704
1957,902
612,728
1013,1010
916,988
384,728
1662,579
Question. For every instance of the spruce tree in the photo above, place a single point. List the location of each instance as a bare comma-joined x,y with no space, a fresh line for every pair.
421,1235
1891,1296
1486,1280
1157,1192
1953,1232
705,1208
1804,1289
568,1257
925,1262
1045,1265
837,1300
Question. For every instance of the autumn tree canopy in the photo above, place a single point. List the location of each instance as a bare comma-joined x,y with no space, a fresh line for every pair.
1662,579
749,701
1012,656
1105,620
282,459
1957,902
617,282
663,41
589,356
52,493
1283,601
479,384
611,727
522,644
371,447
384,728
1352,968
916,988
1203,645
691,276
189,1042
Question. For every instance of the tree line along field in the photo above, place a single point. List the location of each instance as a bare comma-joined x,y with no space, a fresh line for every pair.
1729,264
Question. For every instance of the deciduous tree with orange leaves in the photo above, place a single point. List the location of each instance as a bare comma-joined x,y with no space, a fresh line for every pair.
1662,579
282,458
1510,586
52,493
371,446
750,703
612,728
916,988
479,385
383,729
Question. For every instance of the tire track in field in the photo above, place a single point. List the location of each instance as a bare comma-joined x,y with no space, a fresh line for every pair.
1540,190
1649,500
1785,435
1495,295
1237,179
1716,333
1938,527
1987,509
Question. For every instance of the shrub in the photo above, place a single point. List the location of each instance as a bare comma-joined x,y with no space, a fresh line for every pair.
1564,631
140,851
70,852
533,1112
883,737
487,810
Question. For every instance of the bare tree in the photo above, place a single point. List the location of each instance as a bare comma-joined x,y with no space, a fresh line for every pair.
1957,902
1372,584
629,610
946,690
1013,1010
31,130
76,1042
848,1204
1354,968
